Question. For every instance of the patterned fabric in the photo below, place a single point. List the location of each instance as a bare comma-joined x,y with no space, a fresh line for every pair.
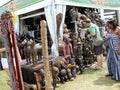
113,59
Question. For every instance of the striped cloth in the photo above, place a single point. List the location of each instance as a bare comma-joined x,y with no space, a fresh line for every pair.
113,59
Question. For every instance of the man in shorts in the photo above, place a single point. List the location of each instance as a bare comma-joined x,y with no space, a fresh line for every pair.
98,50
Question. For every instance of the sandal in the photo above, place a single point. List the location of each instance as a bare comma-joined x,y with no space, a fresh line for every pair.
108,75
113,78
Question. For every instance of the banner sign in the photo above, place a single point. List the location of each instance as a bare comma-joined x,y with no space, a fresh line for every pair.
18,4
108,3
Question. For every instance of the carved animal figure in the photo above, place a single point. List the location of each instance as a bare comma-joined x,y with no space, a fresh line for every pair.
32,50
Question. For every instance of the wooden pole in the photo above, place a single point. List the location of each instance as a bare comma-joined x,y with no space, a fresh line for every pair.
45,55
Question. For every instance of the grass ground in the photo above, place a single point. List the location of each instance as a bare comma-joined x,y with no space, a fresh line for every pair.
90,80
3,81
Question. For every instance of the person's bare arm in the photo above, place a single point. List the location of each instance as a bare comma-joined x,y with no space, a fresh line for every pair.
90,35
2,50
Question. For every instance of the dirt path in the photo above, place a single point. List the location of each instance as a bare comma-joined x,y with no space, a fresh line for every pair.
91,80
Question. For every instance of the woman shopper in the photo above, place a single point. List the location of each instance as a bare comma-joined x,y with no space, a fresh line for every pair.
113,59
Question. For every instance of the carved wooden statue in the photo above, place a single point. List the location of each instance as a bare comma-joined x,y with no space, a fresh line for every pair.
31,51
58,20
73,14
95,17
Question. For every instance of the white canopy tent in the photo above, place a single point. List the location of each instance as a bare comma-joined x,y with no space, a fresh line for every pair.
51,12
3,2
53,7
104,4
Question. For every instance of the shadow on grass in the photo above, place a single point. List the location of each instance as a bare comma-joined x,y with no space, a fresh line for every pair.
106,81
118,86
91,71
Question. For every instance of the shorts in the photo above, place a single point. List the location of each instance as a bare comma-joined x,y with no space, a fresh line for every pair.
4,62
98,49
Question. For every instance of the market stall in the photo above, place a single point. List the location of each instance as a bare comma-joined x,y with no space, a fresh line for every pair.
55,14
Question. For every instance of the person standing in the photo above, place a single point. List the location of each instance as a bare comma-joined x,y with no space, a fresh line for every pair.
98,50
113,59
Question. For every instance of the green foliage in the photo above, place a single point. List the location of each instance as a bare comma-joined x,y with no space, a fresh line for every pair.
1,42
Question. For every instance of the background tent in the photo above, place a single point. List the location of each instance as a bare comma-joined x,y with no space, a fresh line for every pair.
106,4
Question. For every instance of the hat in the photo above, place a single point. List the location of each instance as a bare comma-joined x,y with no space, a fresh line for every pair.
87,20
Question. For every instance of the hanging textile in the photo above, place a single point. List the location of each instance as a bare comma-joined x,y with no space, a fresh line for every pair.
51,21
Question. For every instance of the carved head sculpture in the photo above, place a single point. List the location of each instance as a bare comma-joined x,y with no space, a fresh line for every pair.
83,17
65,31
88,12
73,14
78,16
101,22
59,17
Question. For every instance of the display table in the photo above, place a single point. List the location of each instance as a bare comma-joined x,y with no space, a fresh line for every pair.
31,76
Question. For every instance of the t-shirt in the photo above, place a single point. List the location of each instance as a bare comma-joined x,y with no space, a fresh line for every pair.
94,29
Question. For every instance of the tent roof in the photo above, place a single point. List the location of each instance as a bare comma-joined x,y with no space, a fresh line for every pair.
105,4
3,2
23,6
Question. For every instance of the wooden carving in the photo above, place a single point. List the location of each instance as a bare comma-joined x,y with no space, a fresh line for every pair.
58,20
